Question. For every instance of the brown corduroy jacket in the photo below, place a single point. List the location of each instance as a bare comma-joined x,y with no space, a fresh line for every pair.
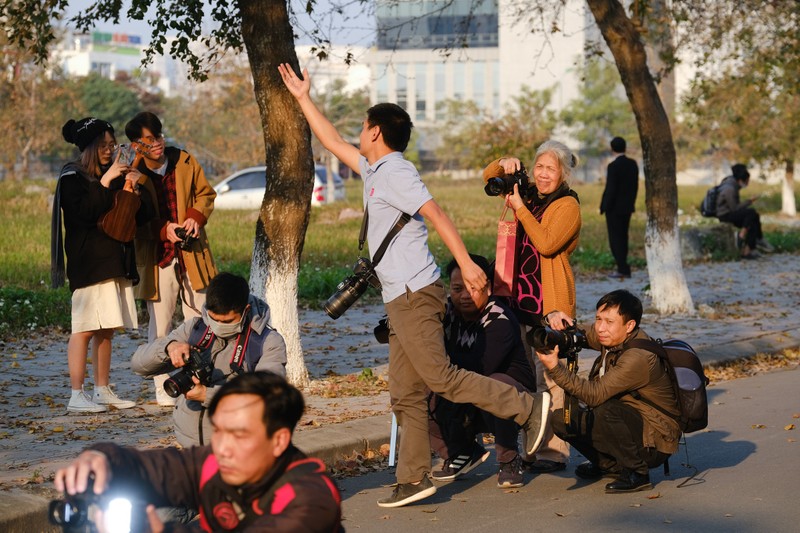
195,198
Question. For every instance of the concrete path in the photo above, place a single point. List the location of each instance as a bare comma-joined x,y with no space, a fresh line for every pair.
744,308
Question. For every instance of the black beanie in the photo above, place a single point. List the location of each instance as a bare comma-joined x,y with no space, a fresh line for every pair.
740,172
83,132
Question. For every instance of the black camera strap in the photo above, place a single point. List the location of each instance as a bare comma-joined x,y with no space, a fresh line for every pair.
362,235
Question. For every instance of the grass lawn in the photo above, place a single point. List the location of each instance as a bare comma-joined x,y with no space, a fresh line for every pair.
331,245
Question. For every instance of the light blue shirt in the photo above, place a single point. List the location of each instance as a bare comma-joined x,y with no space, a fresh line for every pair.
392,186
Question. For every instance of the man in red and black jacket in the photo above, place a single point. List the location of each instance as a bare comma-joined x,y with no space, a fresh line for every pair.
251,478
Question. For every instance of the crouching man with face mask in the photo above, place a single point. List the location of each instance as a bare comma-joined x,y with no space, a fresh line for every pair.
231,337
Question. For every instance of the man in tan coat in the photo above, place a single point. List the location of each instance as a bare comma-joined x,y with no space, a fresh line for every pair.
173,256
620,433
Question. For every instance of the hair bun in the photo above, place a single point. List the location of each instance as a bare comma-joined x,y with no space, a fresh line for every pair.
573,161
68,131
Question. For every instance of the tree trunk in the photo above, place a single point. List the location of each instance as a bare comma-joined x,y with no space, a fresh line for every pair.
283,220
788,204
668,288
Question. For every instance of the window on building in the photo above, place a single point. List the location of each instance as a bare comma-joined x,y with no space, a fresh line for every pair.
401,85
103,69
459,81
420,89
381,76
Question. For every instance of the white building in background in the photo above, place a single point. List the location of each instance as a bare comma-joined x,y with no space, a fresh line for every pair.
420,63
106,54
117,55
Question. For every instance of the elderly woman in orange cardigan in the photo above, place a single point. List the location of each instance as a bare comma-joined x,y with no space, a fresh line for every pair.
549,214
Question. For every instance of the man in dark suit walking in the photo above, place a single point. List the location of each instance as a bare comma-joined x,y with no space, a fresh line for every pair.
619,197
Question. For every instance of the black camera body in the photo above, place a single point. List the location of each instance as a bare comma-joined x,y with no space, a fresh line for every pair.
198,365
505,184
569,341
76,513
186,241
352,288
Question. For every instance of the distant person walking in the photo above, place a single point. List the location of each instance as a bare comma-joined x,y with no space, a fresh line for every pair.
619,198
741,214
173,254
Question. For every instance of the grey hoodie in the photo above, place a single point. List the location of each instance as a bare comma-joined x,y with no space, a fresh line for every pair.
152,359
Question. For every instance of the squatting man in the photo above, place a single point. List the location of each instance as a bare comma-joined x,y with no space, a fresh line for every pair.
231,336
622,430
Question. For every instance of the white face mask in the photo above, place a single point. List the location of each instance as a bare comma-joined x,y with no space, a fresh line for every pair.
225,330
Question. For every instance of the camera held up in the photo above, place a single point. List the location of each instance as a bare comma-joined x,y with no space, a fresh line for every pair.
198,365
76,513
504,185
569,341
186,241
352,288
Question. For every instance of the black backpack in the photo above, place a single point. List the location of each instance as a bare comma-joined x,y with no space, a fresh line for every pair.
688,378
708,207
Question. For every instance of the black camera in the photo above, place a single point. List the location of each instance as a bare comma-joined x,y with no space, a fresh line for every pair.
198,365
76,513
352,288
186,241
505,184
569,341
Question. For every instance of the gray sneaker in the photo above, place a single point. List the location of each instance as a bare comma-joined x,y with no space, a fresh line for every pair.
536,424
510,474
764,246
405,493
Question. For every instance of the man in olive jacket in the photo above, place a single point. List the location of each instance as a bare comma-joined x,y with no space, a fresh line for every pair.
620,433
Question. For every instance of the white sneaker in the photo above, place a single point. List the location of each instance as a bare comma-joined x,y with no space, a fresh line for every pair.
106,396
81,403
162,398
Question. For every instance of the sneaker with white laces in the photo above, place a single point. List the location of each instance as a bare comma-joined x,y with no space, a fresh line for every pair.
536,424
81,403
510,474
405,493
106,396
461,464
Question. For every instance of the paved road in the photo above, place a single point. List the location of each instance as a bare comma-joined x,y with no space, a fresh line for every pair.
749,480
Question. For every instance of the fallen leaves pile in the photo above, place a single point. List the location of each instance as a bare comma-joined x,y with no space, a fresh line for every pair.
750,366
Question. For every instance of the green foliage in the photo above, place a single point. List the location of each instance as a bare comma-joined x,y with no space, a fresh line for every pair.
601,110
23,310
108,100
471,138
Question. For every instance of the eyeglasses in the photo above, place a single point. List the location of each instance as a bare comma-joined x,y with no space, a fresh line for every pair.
151,140
107,146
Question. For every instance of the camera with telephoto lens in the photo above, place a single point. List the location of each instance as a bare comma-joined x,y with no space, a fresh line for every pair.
569,341
76,513
186,241
198,365
352,288
505,184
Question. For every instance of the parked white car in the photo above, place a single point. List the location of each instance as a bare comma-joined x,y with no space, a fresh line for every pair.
245,189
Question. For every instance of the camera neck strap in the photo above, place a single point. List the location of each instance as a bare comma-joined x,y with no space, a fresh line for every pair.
362,236
239,349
